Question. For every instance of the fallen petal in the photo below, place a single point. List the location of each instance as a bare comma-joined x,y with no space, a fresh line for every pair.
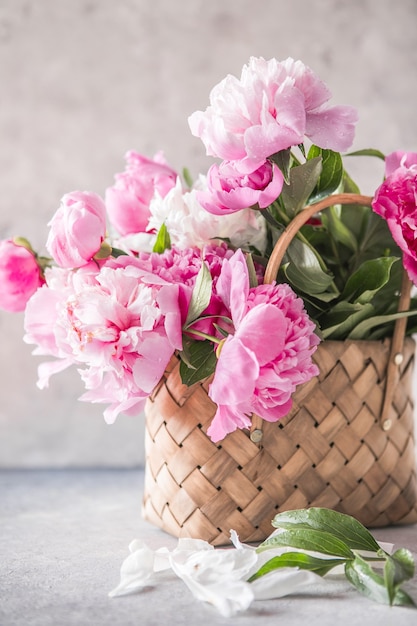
135,569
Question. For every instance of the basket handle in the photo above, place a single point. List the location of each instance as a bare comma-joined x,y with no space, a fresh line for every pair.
274,263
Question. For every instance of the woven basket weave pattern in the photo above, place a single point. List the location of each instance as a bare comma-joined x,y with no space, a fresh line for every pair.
330,451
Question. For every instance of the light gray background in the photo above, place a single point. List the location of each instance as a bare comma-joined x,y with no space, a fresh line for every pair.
86,80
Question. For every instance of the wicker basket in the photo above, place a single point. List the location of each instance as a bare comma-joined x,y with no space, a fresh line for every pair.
348,443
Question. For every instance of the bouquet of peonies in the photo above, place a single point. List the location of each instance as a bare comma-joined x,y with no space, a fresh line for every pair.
167,267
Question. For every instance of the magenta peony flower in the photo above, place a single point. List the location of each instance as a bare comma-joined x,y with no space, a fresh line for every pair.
273,343
273,106
20,275
230,191
78,229
127,202
396,201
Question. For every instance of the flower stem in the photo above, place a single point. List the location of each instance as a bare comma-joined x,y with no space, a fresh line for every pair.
203,335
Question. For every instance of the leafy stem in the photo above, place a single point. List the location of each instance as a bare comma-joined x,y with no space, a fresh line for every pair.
323,539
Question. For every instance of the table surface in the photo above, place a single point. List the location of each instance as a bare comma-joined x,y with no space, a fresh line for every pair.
65,533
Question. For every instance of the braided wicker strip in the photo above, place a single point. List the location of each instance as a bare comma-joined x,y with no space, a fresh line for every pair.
330,451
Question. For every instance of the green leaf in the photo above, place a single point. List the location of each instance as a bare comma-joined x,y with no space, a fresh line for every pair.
104,252
331,174
364,327
368,279
345,318
304,270
302,181
163,241
367,152
283,160
343,526
201,295
187,177
299,560
115,252
404,563
339,231
199,362
375,239
348,184
372,585
253,279
309,539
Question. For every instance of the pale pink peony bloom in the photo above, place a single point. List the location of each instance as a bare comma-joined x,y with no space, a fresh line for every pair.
127,201
45,319
273,344
20,275
273,106
396,201
77,229
229,190
124,328
119,323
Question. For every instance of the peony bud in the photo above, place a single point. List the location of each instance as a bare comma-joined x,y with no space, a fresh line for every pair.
77,229
20,275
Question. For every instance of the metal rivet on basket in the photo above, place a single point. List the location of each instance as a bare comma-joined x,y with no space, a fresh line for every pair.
386,425
256,435
399,358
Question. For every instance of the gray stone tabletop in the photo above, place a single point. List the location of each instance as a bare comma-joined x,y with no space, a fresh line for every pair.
65,533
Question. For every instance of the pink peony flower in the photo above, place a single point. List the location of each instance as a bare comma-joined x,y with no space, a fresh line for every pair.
229,190
396,201
122,324
43,318
181,267
20,275
78,229
273,106
273,343
397,159
127,202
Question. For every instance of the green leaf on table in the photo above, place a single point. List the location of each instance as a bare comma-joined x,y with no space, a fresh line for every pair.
201,295
302,180
404,564
300,560
372,585
340,525
309,539
398,568
197,362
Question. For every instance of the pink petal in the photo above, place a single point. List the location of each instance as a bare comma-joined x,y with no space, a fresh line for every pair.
263,331
236,373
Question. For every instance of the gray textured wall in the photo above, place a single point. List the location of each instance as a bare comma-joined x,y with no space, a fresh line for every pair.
86,80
